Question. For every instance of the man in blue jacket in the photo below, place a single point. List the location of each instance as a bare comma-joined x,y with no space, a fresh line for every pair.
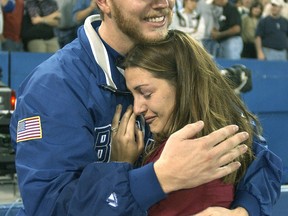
61,130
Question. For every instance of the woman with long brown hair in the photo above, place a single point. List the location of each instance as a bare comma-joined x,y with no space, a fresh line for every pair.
176,82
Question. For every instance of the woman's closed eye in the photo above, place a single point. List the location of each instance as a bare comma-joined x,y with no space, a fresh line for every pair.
146,94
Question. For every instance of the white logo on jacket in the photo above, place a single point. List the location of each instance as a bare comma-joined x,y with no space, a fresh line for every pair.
112,200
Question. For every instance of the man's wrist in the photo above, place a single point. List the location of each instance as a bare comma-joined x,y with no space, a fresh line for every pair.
165,182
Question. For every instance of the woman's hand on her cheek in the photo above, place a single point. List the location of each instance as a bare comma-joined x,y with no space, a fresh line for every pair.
127,140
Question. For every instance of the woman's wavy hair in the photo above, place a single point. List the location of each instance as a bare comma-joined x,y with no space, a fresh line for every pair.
202,93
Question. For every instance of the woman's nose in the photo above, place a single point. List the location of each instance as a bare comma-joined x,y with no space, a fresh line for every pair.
139,107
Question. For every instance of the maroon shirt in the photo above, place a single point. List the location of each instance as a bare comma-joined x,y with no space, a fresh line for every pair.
192,201
13,22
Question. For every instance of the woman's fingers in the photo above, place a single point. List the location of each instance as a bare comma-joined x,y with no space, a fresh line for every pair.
116,118
125,120
139,138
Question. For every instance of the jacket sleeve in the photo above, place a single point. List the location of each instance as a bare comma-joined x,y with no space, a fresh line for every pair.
58,174
260,188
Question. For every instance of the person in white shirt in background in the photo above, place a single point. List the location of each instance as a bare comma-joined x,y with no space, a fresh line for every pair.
284,11
210,13
189,20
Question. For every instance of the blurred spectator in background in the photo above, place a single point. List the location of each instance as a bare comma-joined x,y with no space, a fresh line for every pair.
210,13
12,28
284,11
189,20
272,34
40,19
83,9
264,3
179,4
243,6
229,33
6,6
249,25
67,28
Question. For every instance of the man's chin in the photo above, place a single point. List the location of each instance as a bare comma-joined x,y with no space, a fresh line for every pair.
155,36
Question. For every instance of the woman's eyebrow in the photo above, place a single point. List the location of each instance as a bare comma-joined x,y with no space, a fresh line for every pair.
137,88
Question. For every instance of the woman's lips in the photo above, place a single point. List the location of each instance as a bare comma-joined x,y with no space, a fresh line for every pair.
150,119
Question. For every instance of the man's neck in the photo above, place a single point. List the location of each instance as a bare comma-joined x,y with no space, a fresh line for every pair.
275,16
115,39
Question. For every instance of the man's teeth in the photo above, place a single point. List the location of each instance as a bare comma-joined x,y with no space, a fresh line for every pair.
156,19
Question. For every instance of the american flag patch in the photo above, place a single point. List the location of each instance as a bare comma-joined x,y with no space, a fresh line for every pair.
29,128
